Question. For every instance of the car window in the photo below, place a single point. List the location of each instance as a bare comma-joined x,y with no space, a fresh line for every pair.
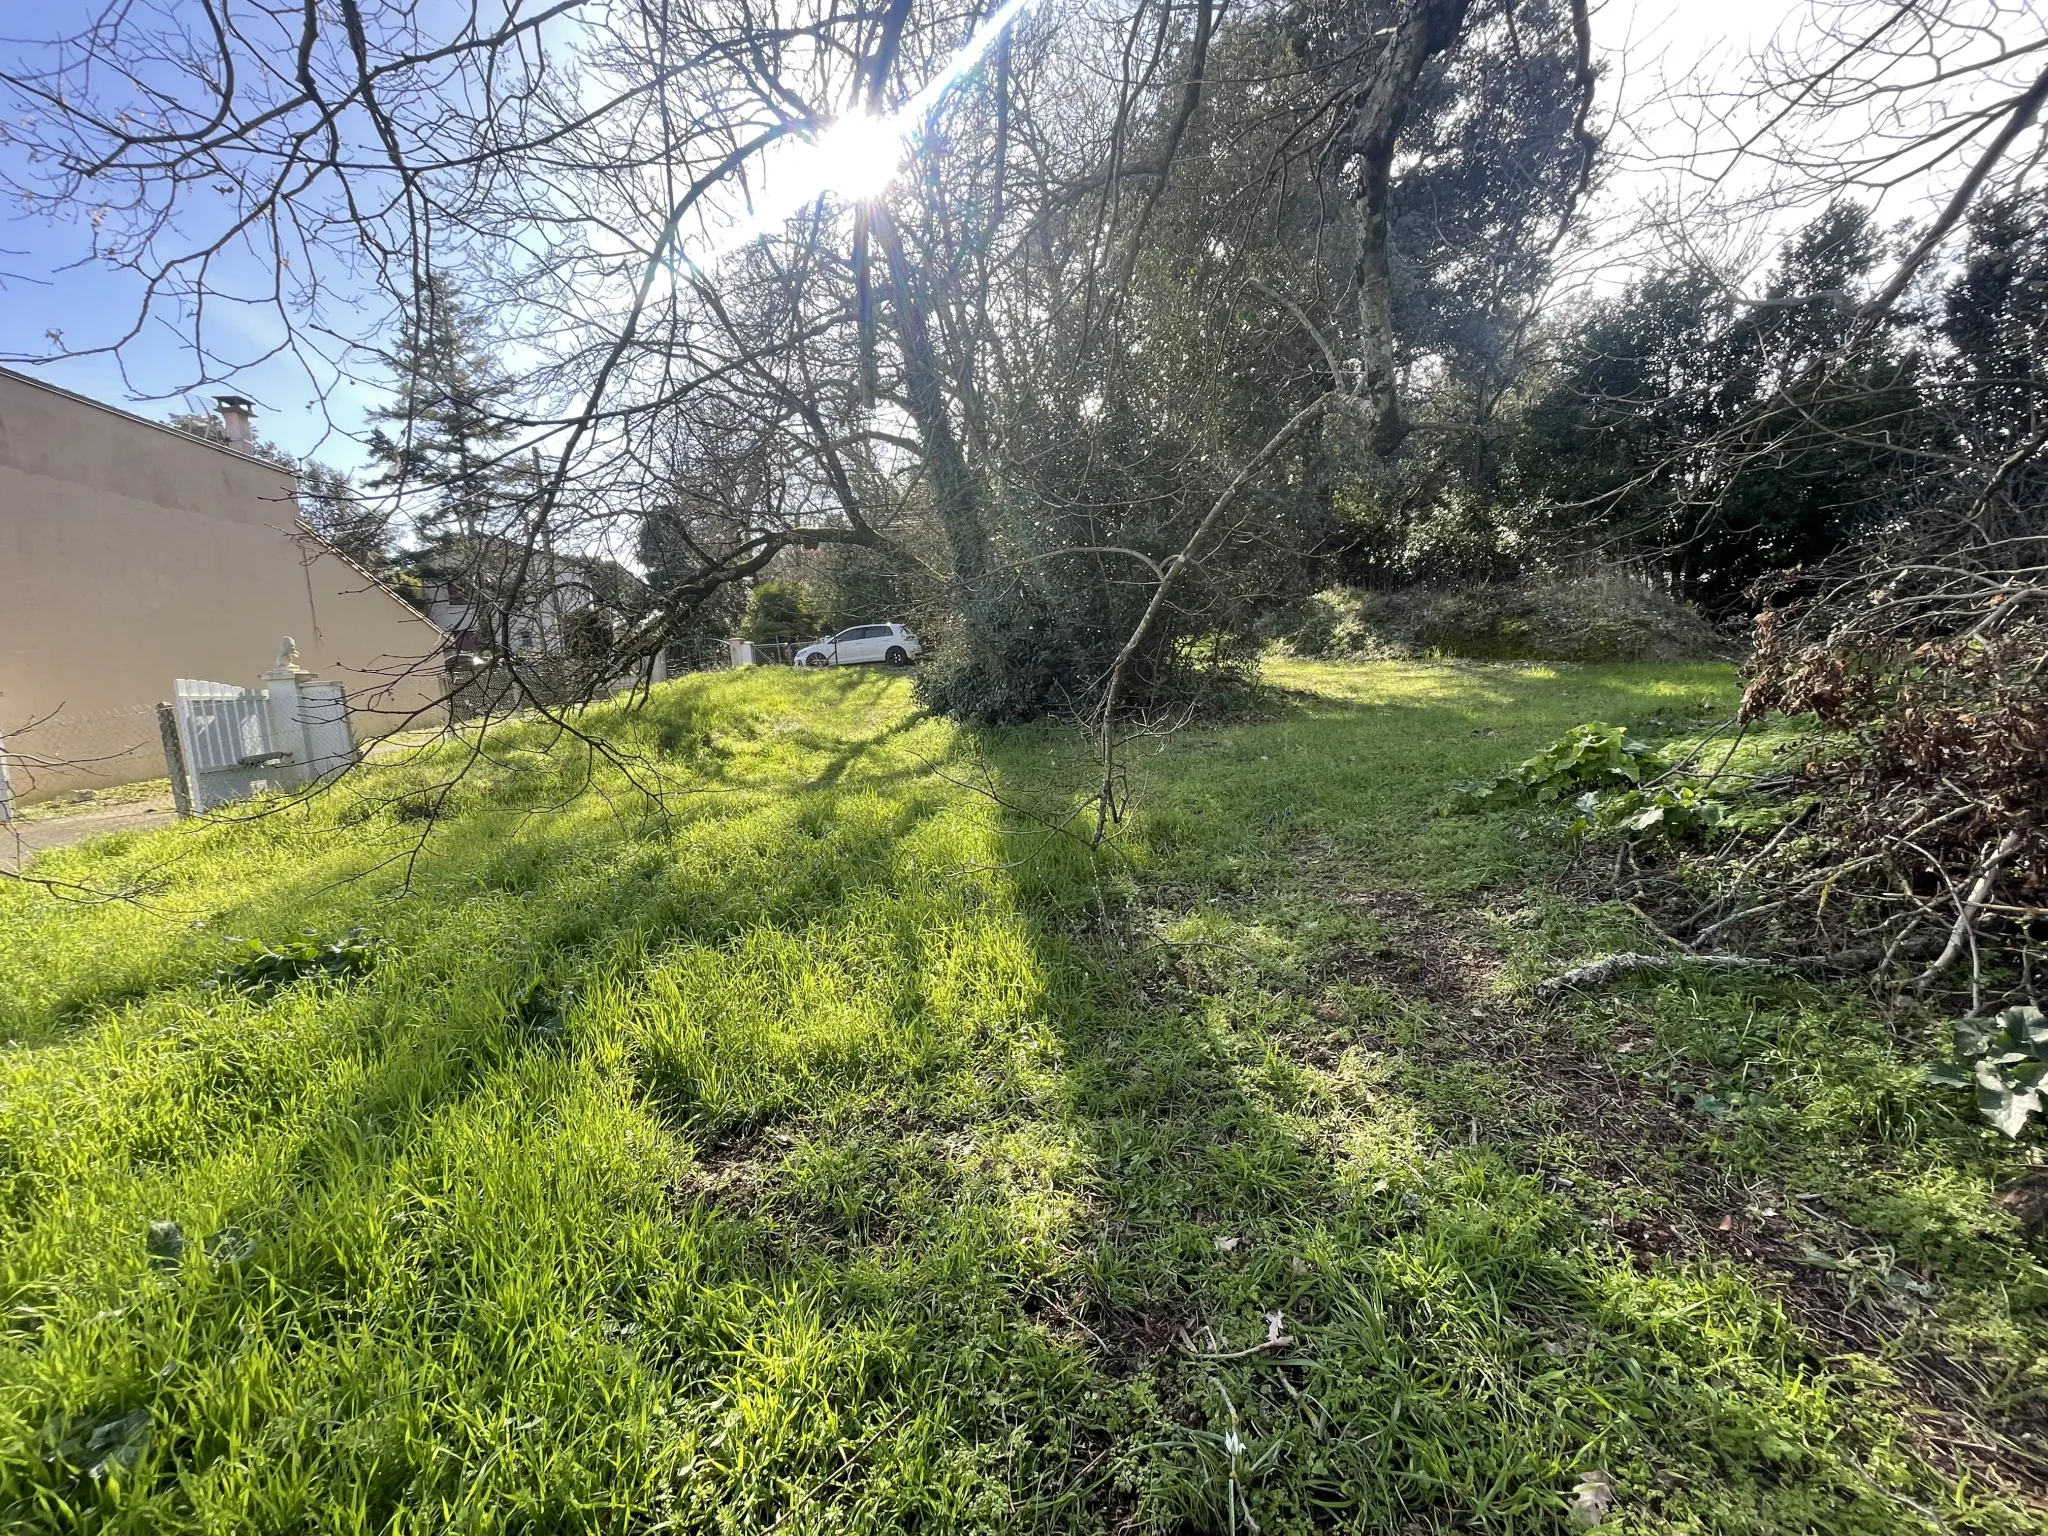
854,633
876,632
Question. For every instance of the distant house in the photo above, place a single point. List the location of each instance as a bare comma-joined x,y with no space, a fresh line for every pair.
132,554
472,585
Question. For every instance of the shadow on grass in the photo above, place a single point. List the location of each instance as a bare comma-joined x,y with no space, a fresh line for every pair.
812,1164
1319,1302
1311,1332
470,1190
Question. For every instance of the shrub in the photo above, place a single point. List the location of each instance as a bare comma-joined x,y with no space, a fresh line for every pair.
261,969
780,612
1607,616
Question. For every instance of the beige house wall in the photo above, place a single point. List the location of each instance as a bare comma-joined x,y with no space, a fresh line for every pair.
132,554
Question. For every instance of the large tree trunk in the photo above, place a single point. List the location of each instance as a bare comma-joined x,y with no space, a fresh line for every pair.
1379,107
955,494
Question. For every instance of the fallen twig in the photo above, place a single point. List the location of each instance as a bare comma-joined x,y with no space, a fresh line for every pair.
1275,1339
1966,913
1596,972
1839,962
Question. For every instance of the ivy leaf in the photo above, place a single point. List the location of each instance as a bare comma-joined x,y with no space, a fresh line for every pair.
165,1244
118,1444
230,1245
2026,1026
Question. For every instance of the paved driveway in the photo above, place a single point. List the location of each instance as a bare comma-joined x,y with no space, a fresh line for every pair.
61,831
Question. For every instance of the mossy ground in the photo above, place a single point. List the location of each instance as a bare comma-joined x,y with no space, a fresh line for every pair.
783,1127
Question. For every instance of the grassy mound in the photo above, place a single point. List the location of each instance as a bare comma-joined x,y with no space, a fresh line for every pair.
748,1131
1597,618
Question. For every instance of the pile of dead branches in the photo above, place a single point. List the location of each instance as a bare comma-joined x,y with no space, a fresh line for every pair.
1911,827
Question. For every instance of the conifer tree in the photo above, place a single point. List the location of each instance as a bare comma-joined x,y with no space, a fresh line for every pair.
443,456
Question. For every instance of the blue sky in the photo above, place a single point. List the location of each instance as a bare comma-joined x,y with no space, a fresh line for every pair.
89,304
54,296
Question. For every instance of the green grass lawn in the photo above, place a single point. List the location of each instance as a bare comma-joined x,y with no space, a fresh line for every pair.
780,1127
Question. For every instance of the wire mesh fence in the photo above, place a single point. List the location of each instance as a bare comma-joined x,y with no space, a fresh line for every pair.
697,654
46,758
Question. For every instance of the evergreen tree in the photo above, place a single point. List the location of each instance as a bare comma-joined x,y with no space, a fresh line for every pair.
332,507
781,612
1723,441
444,453
674,550
1994,371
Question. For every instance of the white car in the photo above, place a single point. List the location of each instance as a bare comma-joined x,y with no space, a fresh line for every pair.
864,642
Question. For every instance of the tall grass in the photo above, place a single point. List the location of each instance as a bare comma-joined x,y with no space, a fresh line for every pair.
741,1135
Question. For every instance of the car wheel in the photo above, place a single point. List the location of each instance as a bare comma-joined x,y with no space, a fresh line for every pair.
898,657
818,659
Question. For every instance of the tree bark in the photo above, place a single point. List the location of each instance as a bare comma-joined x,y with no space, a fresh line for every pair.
1378,110
955,495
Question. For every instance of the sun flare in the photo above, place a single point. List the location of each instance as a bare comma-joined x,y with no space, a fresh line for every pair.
857,157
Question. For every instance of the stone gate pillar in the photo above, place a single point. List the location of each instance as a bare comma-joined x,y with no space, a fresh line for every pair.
285,713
